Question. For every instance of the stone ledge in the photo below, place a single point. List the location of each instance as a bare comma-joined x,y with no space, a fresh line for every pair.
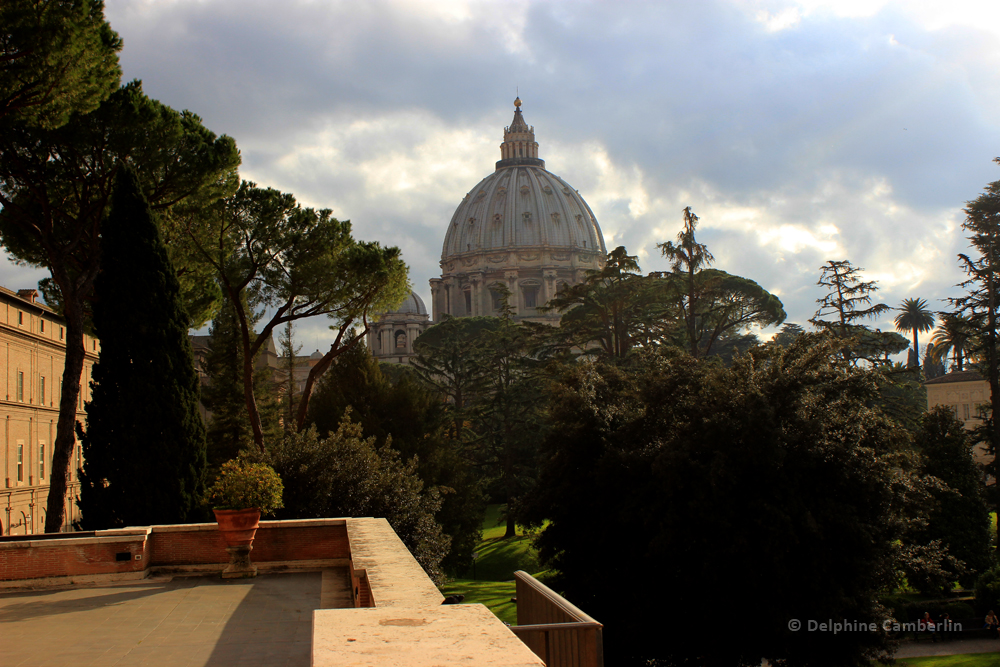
416,637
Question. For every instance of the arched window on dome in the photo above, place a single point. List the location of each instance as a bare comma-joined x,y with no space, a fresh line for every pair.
400,340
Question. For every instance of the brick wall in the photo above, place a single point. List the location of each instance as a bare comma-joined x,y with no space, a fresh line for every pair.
166,546
70,557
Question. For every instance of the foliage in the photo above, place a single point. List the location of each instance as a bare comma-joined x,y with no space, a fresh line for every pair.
289,351
446,361
902,395
953,335
789,332
508,415
229,429
612,311
228,423
988,590
55,186
709,302
847,303
144,447
346,474
298,263
960,517
932,366
914,316
981,304
776,471
243,484
416,423
56,58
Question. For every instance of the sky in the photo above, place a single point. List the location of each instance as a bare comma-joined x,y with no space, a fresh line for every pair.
798,131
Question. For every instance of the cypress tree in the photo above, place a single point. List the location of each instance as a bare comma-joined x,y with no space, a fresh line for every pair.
229,424
144,446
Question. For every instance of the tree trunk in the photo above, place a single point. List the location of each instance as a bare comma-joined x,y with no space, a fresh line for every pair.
511,524
248,397
321,367
62,448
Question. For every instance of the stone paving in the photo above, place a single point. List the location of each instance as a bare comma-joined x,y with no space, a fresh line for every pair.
163,621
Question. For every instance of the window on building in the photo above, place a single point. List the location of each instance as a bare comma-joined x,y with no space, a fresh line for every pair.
43,326
400,340
93,343
20,462
495,298
530,293
41,390
965,411
468,302
20,317
41,460
61,331
20,386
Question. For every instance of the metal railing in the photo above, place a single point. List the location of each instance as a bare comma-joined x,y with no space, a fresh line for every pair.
556,631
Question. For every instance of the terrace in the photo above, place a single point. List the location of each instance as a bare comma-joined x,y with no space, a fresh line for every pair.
329,592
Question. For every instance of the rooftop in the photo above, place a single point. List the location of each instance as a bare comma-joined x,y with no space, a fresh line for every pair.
165,620
957,376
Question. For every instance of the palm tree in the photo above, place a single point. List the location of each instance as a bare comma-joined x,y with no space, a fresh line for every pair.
953,335
914,316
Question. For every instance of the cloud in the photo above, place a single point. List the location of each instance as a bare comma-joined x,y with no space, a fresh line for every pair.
799,131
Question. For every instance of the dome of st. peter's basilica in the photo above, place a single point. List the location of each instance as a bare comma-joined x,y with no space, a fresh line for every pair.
521,226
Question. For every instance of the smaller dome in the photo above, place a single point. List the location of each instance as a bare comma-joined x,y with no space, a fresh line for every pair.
316,355
413,305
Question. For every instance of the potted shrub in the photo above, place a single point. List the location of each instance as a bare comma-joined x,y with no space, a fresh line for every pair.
243,492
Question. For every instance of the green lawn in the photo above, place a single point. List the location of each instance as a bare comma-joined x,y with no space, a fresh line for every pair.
495,595
965,660
491,582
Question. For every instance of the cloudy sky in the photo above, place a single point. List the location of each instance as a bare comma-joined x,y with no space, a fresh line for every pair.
798,131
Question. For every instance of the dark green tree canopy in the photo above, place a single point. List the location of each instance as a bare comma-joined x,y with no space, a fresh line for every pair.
416,422
447,361
959,516
614,310
776,473
57,57
55,185
346,474
144,445
980,305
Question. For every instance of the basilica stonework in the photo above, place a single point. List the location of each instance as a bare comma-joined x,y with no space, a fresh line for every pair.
521,226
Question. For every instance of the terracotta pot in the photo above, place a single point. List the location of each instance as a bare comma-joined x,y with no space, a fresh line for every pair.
238,526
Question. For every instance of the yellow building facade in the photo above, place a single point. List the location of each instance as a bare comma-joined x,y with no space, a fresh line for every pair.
33,341
962,392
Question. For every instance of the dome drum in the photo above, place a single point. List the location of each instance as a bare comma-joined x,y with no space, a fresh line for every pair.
390,339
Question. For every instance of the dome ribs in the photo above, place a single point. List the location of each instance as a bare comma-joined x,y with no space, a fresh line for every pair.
521,225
